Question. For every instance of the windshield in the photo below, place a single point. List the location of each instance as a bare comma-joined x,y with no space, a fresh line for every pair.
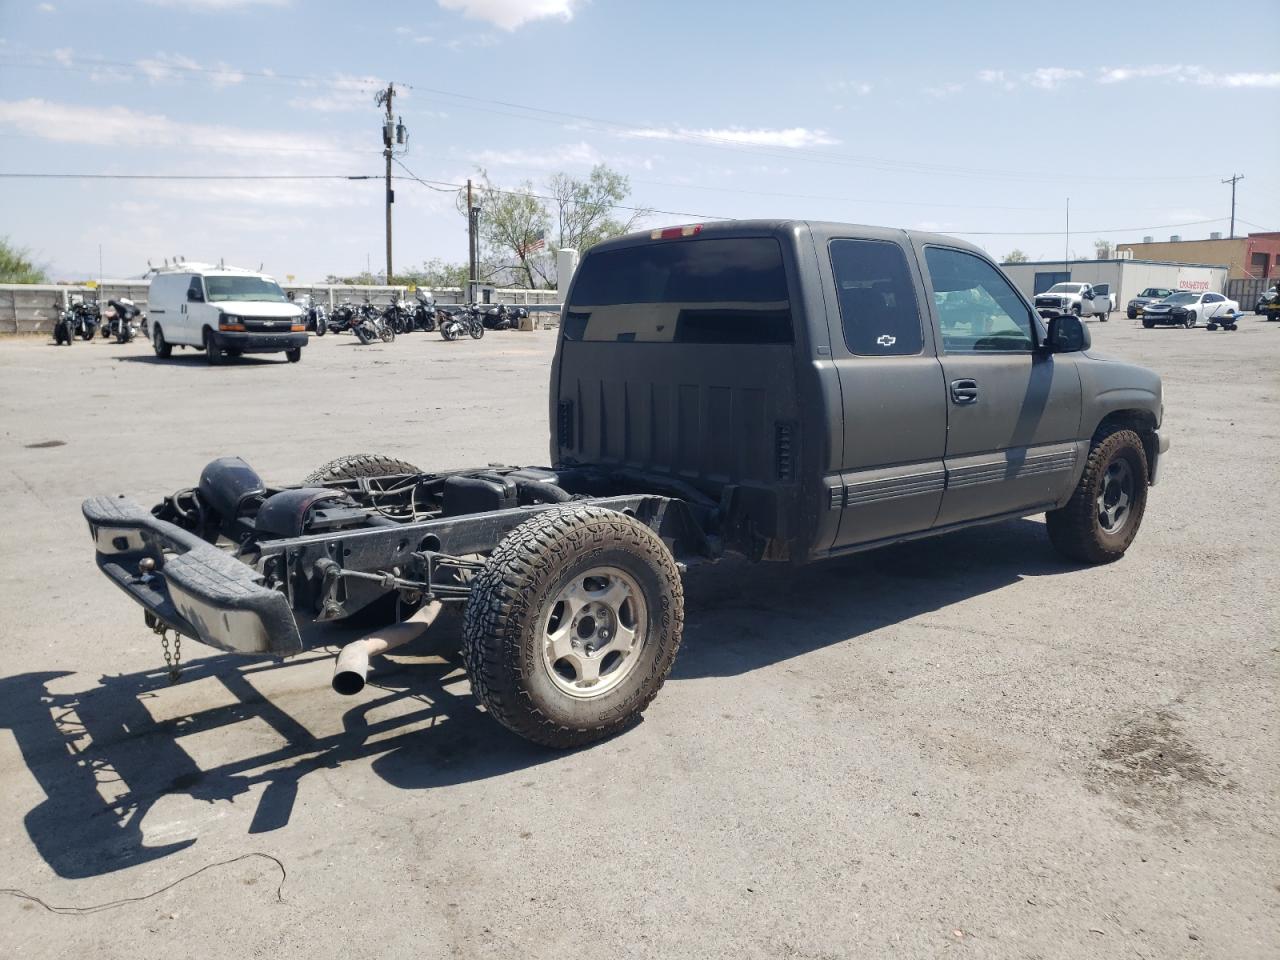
1066,288
1155,292
243,288
1181,298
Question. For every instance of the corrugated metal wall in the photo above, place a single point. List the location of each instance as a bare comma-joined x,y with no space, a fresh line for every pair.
33,308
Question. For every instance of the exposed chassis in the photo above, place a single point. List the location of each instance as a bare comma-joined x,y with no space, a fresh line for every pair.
189,585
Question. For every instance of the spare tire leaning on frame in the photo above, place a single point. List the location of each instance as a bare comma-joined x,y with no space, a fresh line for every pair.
573,625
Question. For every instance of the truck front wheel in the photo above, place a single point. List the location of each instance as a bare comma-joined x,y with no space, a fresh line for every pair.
1103,515
573,625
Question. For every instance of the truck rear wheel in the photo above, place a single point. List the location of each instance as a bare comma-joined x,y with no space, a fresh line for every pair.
573,625
1103,515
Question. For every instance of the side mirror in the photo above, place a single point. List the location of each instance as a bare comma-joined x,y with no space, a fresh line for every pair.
1088,294
195,296
1067,334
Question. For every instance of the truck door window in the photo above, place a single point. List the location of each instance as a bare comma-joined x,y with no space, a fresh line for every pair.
195,293
730,290
878,308
978,310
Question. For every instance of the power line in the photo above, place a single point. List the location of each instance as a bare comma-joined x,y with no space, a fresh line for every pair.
635,130
446,186
185,176
542,196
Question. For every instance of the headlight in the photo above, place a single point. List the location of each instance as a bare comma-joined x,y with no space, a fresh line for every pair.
229,321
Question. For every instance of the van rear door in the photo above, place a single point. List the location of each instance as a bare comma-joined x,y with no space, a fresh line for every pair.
677,358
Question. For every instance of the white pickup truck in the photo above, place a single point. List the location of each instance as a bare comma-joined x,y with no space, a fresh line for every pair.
1082,299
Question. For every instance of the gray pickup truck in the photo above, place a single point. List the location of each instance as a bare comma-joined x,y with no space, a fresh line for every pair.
786,391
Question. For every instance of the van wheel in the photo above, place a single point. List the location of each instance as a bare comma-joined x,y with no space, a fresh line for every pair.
573,625
212,351
294,355
163,348
1103,515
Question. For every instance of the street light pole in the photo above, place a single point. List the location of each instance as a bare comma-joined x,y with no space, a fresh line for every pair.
1233,180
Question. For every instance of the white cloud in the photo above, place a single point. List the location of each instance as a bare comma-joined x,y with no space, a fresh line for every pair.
944,90
1184,73
109,126
63,56
510,14
792,138
1050,78
46,8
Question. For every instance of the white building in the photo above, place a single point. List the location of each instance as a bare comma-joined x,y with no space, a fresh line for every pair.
1128,278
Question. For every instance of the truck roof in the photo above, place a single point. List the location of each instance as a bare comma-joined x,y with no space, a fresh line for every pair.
820,228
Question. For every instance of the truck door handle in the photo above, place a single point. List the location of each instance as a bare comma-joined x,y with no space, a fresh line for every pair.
964,391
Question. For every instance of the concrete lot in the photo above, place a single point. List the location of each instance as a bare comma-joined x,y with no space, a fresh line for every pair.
962,746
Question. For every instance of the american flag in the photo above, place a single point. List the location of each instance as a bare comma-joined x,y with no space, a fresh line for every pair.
533,246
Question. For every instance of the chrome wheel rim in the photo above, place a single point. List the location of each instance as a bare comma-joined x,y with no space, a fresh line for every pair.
1115,498
593,632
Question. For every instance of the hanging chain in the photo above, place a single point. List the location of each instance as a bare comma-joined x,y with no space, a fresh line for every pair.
172,659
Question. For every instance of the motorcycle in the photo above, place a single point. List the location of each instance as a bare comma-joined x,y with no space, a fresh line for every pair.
314,317
342,318
64,328
398,316
424,312
121,316
467,321
369,325
503,317
85,318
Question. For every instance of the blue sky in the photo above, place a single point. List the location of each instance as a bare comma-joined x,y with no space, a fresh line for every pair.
974,118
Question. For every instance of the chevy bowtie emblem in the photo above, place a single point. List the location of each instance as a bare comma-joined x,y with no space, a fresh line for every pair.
885,340
268,323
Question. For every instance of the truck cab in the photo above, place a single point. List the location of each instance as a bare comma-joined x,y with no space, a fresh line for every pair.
833,387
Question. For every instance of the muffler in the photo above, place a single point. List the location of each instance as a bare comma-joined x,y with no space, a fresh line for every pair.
352,667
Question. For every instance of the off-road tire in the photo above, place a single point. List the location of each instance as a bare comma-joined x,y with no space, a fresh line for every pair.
1211,327
502,626
1074,529
358,465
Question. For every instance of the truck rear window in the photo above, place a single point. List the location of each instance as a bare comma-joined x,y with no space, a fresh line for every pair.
730,290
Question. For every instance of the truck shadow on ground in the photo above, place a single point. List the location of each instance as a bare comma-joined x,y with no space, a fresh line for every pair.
103,760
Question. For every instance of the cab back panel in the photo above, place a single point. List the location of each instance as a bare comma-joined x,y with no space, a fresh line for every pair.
677,357
704,412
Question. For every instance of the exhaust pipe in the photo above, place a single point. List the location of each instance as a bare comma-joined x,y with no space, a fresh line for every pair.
352,666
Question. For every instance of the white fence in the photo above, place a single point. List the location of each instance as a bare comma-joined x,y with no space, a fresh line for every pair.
34,307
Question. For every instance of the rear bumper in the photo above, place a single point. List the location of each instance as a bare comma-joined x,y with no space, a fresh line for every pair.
261,342
196,589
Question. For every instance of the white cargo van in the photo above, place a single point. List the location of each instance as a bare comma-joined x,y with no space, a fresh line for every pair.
224,312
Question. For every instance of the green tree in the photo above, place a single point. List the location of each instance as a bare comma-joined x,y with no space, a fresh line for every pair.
1015,256
520,227
16,265
582,209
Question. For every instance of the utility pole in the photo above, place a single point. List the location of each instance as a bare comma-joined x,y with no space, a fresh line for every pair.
393,135
473,243
1233,180
1066,243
